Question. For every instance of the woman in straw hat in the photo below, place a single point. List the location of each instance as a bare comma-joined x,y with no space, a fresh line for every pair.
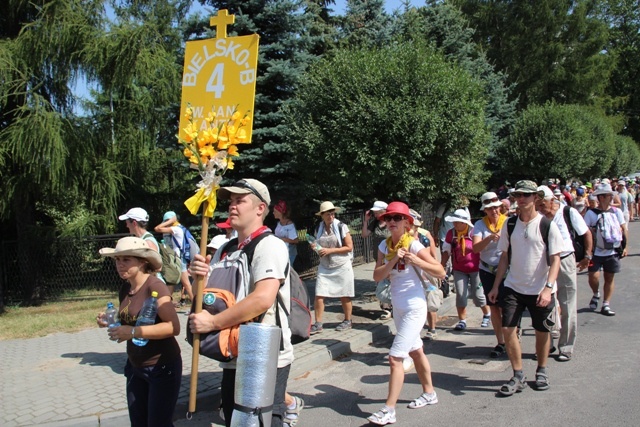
153,371
335,273
402,257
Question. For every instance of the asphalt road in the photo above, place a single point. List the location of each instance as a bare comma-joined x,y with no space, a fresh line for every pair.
596,388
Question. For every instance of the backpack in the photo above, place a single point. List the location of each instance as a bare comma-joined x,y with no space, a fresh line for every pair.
189,248
300,315
578,241
228,283
608,229
171,264
545,225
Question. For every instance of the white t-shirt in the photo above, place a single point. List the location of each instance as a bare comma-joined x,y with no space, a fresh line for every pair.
578,225
270,260
528,271
287,231
406,288
176,235
490,254
591,219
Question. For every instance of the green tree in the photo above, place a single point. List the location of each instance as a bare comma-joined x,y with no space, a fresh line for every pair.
551,50
444,26
623,18
356,134
627,157
365,23
558,141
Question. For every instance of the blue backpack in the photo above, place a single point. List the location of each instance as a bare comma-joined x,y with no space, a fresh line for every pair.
189,248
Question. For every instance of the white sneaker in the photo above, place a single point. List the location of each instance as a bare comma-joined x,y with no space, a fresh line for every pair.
407,364
382,417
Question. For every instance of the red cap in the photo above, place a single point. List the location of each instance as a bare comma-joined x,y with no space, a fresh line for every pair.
223,225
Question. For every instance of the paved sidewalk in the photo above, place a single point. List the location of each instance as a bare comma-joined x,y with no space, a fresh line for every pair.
77,379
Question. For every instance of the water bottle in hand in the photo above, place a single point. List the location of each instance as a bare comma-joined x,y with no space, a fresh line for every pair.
147,316
314,244
111,316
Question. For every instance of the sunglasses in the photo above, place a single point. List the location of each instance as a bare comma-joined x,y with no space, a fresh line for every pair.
244,184
396,218
486,202
516,195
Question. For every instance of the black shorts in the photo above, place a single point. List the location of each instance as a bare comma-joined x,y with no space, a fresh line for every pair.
487,279
609,264
514,303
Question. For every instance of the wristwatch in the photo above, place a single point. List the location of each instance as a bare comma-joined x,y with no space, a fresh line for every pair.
549,285
133,332
588,257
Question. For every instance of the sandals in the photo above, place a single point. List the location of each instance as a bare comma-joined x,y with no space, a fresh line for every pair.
486,320
386,315
542,381
423,400
461,326
382,417
291,416
515,385
593,304
498,351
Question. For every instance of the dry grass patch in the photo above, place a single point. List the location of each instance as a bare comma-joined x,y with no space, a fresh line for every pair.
67,315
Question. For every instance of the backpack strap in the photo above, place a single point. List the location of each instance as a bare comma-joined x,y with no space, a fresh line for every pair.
545,225
511,225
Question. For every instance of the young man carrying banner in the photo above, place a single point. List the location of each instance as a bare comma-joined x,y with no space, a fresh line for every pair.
269,274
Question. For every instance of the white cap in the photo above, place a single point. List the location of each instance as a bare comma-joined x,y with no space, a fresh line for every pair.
217,241
379,206
545,192
137,214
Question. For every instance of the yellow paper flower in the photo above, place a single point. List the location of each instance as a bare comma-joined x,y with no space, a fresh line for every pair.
233,151
210,147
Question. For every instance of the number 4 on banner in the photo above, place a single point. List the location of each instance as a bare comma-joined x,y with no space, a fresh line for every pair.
215,84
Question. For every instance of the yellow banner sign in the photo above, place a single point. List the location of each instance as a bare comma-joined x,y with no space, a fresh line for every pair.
219,76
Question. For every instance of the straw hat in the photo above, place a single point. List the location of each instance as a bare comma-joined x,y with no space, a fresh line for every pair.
136,247
327,206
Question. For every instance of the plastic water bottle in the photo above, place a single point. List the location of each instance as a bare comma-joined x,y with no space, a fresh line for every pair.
147,316
111,316
313,242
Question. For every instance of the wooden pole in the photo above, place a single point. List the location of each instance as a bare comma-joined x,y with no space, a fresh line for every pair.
198,292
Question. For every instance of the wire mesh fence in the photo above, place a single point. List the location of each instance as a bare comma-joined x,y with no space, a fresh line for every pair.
35,271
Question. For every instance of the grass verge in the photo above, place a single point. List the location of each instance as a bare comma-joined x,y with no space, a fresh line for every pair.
73,313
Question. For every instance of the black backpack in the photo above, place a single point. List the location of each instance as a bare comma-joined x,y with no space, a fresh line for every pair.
578,241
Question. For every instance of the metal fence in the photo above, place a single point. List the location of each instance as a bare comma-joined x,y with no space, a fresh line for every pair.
31,272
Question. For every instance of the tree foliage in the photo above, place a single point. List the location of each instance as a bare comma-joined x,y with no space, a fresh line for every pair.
552,50
559,141
394,122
